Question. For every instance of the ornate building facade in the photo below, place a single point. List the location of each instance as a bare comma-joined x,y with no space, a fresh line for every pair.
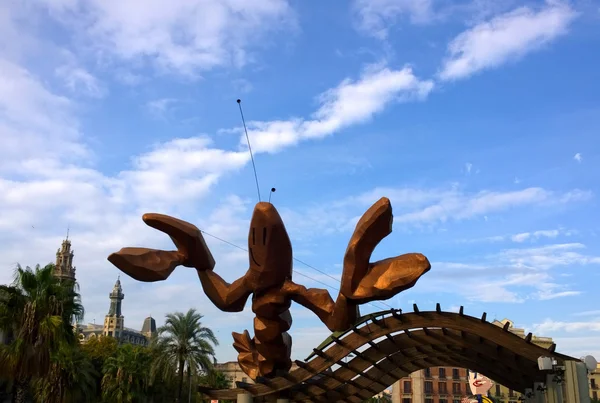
114,321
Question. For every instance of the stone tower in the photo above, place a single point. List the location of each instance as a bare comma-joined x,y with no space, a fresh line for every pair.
114,321
64,269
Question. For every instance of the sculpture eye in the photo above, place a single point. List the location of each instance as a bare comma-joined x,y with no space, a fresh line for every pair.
264,236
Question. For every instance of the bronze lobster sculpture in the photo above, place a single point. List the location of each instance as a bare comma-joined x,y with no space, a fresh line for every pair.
269,279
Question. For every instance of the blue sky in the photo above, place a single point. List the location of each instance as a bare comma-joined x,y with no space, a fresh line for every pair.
478,119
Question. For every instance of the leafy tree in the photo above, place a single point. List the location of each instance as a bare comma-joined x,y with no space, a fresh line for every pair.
185,345
215,379
38,310
126,376
71,379
99,350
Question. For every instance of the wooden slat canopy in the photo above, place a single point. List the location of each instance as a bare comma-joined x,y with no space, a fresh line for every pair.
406,343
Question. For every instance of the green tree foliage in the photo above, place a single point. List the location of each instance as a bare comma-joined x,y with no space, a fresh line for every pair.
215,379
44,361
183,343
37,309
72,378
126,376
99,350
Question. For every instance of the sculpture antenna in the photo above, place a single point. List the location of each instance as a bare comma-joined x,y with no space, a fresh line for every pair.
239,101
270,193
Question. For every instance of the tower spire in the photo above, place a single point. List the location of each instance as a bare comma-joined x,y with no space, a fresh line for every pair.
63,268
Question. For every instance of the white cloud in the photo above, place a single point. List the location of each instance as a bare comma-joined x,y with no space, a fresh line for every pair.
504,38
577,157
459,206
588,313
181,36
523,236
159,107
34,122
374,17
468,167
77,79
350,103
549,325
512,275
578,346
242,86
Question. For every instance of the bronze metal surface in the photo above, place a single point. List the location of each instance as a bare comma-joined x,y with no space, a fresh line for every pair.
269,279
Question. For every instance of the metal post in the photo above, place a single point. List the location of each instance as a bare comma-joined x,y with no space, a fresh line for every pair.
551,389
538,395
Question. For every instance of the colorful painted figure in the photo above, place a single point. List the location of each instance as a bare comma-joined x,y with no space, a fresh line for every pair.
480,385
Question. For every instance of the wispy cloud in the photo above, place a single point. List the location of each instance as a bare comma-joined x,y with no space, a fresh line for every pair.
588,313
512,275
79,80
169,36
158,108
504,38
374,17
351,102
550,326
578,157
524,236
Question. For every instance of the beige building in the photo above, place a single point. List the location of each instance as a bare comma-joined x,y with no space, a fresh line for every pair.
114,321
594,383
450,385
234,373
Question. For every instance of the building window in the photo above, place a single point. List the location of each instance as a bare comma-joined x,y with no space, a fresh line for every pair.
407,388
428,387
429,400
595,395
244,379
455,401
427,372
442,388
510,393
406,400
593,383
456,389
497,390
443,401
455,373
442,373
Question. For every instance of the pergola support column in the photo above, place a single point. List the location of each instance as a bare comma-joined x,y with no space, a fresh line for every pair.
244,398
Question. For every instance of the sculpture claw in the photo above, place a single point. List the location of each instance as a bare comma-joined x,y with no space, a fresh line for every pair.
388,277
144,264
187,238
363,281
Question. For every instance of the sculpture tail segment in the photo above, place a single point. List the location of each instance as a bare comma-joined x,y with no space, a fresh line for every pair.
262,359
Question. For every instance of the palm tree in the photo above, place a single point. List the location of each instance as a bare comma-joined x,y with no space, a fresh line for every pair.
184,344
38,310
126,375
71,379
